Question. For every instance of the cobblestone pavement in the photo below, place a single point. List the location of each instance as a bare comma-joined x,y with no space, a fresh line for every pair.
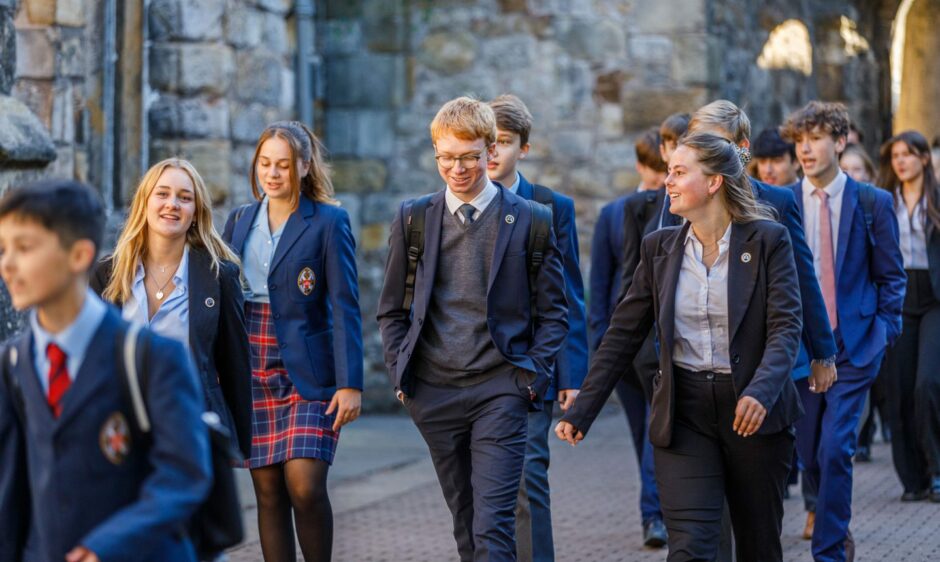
388,506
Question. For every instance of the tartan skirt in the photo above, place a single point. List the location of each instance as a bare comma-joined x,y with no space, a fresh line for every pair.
284,426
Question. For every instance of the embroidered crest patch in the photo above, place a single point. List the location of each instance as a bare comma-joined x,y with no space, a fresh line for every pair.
306,281
115,438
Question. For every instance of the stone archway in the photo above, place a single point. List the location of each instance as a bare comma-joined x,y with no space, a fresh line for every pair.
919,80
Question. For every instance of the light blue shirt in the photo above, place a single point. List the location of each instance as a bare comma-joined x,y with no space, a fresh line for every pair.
73,340
259,251
515,185
913,233
171,320
479,203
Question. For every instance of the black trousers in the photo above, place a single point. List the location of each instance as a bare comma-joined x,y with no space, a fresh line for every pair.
707,464
477,439
912,369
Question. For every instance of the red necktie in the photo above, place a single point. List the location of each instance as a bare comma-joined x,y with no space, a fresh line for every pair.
59,380
827,275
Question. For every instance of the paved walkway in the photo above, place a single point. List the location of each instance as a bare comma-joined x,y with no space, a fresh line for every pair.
388,506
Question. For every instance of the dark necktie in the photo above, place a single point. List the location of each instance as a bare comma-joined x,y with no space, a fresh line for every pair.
467,209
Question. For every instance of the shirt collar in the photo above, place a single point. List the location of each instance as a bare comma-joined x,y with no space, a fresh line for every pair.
76,337
515,185
834,189
722,242
180,277
479,202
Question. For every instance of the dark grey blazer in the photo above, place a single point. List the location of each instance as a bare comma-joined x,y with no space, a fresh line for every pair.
765,322
218,338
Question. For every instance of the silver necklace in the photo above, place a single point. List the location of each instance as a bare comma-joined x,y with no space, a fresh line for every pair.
159,294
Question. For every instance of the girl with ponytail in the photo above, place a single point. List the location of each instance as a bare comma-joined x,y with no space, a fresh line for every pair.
302,308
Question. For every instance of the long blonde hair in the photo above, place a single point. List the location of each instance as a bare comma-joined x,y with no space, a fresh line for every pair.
131,246
305,146
719,156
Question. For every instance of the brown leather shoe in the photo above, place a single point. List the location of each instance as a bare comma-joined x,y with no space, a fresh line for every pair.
810,525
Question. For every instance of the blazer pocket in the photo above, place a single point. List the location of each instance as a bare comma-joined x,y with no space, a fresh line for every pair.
320,350
304,278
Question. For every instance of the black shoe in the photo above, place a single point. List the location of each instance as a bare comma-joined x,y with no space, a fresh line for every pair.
935,489
654,534
918,496
863,454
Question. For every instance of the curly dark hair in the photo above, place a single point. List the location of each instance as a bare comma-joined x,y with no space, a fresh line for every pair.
831,117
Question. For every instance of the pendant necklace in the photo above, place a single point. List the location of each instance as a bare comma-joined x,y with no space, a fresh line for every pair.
159,294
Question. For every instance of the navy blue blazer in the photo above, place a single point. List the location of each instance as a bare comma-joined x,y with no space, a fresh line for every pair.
933,260
319,333
218,339
870,281
507,302
129,508
818,341
764,320
572,361
607,264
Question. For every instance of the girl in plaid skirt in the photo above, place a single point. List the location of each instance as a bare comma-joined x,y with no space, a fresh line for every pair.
304,329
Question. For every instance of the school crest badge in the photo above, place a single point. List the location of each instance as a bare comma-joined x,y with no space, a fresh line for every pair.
115,438
306,281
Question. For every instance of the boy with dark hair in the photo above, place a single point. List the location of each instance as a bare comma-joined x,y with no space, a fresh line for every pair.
649,161
78,481
470,330
852,232
615,253
534,541
775,158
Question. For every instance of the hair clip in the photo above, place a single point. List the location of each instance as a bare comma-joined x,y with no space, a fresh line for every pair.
744,153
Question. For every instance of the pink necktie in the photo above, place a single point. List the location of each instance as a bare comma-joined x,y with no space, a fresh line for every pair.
827,262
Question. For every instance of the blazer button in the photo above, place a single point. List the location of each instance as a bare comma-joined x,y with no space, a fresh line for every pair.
736,359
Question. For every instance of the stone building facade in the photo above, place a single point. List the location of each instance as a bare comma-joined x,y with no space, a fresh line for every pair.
202,78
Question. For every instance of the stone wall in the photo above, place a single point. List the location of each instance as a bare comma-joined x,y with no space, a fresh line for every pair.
220,70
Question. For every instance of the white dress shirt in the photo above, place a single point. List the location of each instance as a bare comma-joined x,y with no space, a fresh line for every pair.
811,216
701,313
480,202
913,234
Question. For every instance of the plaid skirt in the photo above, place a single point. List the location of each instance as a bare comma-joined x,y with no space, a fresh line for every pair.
284,425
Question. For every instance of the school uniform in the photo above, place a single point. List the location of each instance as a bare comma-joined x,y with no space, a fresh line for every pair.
90,478
912,365
533,510
302,309
466,355
740,339
615,252
206,313
866,281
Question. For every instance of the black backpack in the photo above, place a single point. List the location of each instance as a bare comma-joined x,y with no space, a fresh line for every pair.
217,523
539,234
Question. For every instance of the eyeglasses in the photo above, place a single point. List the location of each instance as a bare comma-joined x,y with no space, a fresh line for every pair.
469,161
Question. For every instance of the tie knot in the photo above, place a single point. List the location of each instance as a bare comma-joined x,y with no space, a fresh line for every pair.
822,194
55,354
467,209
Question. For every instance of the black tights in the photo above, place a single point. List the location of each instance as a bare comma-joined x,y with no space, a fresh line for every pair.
299,484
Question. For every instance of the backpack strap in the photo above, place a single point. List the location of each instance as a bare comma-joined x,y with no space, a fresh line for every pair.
133,347
866,196
540,231
414,240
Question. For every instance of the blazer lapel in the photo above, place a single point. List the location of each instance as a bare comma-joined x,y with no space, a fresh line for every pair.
743,260
204,297
525,189
24,369
798,195
666,271
242,226
98,368
507,207
433,218
846,219
297,223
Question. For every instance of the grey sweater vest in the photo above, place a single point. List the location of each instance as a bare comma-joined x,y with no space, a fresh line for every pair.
455,347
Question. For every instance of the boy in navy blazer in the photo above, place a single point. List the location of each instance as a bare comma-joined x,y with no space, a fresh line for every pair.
534,539
78,481
852,231
615,253
468,359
